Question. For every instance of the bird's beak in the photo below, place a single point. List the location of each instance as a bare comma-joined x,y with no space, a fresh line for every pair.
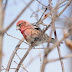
18,28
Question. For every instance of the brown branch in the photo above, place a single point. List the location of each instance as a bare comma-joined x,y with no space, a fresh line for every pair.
2,14
47,52
22,63
16,38
23,59
37,11
62,5
59,52
1,35
6,69
52,10
40,21
40,3
32,48
52,28
5,5
21,66
13,54
4,9
65,8
58,42
63,28
3,67
61,58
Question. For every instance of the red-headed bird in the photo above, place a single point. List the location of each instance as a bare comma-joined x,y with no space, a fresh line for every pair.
32,33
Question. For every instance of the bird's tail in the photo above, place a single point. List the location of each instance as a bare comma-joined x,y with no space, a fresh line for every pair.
52,40
46,38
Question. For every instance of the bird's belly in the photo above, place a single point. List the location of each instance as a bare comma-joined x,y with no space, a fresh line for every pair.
35,42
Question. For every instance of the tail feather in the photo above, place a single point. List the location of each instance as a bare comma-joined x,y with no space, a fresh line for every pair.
46,38
53,40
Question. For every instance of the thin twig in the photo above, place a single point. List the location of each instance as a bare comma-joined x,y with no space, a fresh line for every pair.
3,66
21,66
37,11
4,9
64,8
15,38
40,3
41,18
32,48
61,58
22,63
58,42
62,5
6,69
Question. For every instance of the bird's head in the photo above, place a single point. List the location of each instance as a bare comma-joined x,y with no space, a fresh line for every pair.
20,24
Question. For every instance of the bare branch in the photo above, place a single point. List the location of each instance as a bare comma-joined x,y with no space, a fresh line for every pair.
1,35
13,54
65,57
65,8
40,3
23,59
16,38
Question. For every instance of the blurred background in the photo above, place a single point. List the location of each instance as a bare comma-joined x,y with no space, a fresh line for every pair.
15,11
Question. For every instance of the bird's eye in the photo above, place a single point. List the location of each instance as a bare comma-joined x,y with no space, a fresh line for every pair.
19,24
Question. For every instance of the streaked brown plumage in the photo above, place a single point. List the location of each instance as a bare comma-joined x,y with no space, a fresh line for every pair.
32,34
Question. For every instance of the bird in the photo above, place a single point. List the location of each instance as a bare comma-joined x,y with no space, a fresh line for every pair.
32,33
